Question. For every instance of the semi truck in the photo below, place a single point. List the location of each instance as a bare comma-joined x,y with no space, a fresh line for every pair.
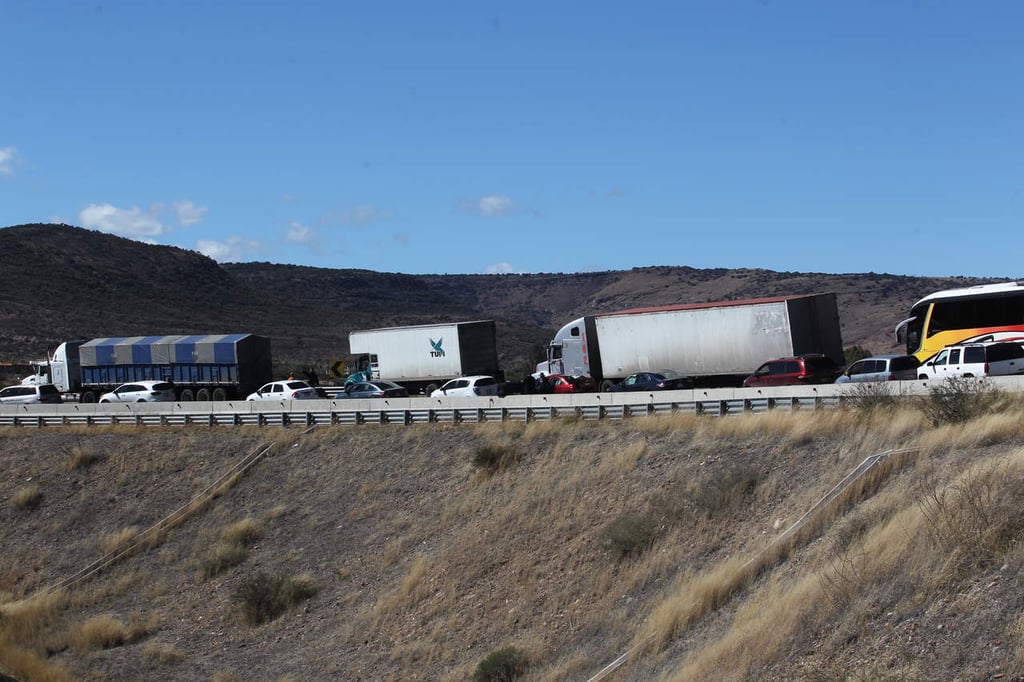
422,357
710,344
201,367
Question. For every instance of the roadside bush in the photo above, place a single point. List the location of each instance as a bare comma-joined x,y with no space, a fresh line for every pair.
80,457
264,597
868,397
27,498
495,457
629,534
233,547
958,400
503,665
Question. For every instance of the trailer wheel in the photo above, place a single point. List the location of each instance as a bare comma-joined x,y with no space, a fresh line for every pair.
203,395
607,384
430,389
219,395
186,395
88,397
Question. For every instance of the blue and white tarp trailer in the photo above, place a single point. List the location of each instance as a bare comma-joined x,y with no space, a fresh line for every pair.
202,367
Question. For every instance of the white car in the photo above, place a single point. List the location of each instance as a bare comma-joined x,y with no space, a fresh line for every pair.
286,389
975,360
140,392
468,386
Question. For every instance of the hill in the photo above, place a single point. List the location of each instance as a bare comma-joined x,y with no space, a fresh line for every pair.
63,282
414,553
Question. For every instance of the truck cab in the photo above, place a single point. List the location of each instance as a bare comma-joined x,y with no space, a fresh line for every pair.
567,352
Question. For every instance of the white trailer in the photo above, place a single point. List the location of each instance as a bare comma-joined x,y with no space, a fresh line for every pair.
422,357
712,344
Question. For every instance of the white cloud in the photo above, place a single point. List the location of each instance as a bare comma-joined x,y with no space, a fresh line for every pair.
8,155
128,222
502,268
489,205
298,233
188,213
230,249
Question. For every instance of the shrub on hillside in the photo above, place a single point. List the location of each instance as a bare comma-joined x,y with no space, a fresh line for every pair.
869,396
264,597
629,533
503,665
958,400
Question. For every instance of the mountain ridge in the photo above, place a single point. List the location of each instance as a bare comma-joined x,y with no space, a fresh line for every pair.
65,282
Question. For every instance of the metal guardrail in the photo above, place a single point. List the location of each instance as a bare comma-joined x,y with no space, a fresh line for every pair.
422,410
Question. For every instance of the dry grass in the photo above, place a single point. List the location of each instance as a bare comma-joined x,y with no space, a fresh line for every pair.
27,498
118,539
106,632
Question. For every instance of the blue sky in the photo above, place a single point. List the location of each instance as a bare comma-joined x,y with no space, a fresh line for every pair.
472,137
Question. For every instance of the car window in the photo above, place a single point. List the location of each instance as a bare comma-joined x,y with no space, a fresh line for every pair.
486,381
296,384
130,388
861,367
941,358
792,367
954,356
1005,351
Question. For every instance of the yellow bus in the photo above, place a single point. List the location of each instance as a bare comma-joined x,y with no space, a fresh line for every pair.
988,312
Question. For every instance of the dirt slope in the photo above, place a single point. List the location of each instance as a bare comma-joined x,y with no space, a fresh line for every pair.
424,563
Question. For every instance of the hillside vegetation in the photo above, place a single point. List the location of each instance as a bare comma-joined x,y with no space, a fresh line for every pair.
63,282
440,552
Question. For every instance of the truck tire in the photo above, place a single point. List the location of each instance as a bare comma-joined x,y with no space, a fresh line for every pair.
203,395
87,397
607,384
186,395
430,389
219,395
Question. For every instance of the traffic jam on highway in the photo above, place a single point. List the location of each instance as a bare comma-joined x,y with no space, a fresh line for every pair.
778,341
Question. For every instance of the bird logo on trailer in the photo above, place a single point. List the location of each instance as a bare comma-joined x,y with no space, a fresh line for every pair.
438,352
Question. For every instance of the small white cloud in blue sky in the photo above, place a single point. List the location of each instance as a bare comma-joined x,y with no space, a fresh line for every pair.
188,213
489,205
298,233
127,222
230,249
8,155
137,223
502,268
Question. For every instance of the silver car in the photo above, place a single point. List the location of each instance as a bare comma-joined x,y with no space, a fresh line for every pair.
881,368
24,394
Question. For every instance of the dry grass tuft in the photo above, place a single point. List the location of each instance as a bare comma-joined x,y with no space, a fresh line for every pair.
27,634
111,542
233,547
81,457
27,498
157,654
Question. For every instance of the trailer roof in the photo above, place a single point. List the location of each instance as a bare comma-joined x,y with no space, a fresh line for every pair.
712,304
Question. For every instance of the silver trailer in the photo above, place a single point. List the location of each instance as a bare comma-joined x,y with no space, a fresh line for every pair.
712,344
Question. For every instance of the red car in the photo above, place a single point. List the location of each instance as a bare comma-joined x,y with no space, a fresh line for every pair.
561,383
802,369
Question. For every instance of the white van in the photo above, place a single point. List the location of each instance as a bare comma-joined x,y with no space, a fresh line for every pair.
975,360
